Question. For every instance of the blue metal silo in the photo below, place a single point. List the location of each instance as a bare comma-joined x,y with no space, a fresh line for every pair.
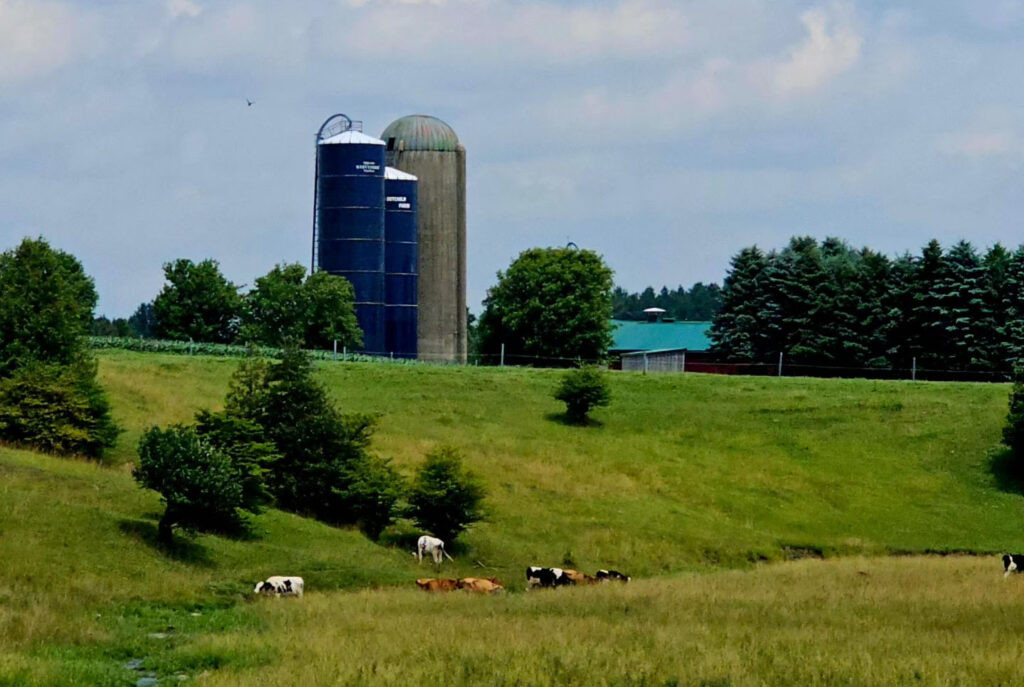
400,262
348,233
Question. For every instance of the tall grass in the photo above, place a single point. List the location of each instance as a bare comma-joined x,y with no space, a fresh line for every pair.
932,621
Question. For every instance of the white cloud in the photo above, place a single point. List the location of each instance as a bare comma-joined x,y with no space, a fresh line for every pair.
35,38
183,8
823,54
977,145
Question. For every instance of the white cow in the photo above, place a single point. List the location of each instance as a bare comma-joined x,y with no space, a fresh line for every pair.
433,546
279,585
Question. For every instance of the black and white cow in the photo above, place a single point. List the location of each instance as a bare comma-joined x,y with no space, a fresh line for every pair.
279,585
610,575
546,577
1013,562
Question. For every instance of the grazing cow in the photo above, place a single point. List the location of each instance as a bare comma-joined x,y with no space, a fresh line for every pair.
546,577
576,577
432,585
610,575
1013,562
481,585
433,546
280,586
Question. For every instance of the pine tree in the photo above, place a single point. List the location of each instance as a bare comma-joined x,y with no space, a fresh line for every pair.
928,317
962,291
736,332
903,341
996,264
876,317
800,293
1011,333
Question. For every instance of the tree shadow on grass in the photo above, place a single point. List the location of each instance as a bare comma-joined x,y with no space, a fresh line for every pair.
181,549
1007,471
563,419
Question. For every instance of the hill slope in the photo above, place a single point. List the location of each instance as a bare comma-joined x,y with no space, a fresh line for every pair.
683,473
685,470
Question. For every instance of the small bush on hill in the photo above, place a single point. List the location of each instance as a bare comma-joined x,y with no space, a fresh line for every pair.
445,498
582,390
201,486
1013,431
57,409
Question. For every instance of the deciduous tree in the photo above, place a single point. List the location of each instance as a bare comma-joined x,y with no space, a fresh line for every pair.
197,303
551,307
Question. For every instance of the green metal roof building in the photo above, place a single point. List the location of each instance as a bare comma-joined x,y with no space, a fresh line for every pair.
659,336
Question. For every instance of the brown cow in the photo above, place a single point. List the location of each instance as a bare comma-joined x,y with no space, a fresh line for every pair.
576,577
480,585
428,584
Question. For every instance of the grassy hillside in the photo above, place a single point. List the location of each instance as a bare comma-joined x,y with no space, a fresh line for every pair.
684,473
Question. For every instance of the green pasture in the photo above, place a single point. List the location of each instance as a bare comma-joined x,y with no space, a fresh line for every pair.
680,477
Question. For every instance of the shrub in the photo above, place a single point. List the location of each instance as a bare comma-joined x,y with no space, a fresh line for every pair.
445,498
57,409
323,467
201,486
582,390
371,493
1013,432
242,441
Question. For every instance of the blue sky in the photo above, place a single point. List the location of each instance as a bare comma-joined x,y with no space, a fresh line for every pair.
665,135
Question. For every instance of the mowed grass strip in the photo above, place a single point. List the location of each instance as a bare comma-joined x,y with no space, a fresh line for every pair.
859,621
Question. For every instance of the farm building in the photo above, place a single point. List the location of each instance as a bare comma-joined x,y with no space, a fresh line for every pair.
659,345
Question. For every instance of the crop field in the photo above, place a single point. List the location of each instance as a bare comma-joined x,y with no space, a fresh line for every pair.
718,494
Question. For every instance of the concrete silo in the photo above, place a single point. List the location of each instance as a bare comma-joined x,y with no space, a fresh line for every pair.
428,148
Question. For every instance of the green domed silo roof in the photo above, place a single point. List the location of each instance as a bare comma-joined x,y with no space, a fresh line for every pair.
421,132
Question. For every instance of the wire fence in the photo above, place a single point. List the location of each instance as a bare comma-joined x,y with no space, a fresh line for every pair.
698,362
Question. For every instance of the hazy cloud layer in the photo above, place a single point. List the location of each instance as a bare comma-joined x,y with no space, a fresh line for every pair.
665,134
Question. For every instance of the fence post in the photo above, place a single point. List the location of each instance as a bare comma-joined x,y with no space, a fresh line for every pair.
502,355
344,352
913,369
780,364
684,363
645,362
335,349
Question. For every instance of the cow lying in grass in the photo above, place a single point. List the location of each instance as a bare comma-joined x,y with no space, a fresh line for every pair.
480,585
1013,562
559,577
280,586
546,577
611,576
576,577
437,585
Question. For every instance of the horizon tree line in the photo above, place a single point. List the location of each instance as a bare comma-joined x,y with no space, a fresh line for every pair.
832,305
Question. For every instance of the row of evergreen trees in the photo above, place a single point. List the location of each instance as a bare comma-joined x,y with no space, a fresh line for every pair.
701,302
829,304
